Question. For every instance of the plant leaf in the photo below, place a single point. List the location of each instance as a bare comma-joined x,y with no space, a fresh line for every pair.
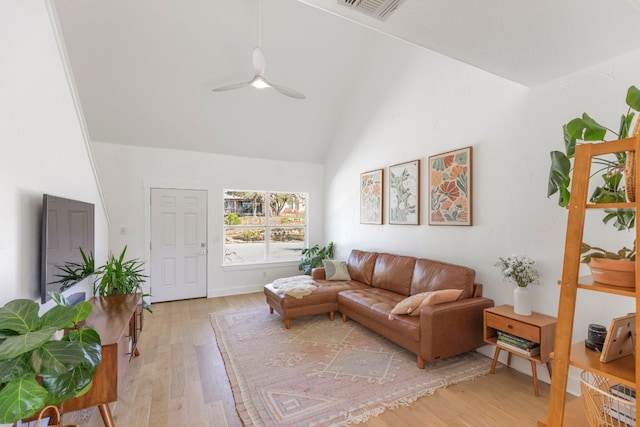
559,176
59,317
89,341
15,346
57,357
83,308
21,398
633,98
20,315
67,385
569,143
14,369
593,130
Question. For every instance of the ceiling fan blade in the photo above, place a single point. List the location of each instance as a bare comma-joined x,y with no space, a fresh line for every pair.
258,61
233,86
286,91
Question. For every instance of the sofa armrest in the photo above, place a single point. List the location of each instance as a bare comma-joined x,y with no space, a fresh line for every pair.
318,273
452,328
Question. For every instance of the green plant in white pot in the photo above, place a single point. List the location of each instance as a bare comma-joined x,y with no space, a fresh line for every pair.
38,370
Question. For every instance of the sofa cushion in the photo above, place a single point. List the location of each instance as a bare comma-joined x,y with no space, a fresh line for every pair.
412,304
430,275
393,273
360,265
437,297
409,304
335,270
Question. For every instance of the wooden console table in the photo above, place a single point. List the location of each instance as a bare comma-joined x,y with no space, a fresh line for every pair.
118,320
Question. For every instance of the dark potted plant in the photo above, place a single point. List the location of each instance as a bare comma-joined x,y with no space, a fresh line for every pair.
37,370
73,272
312,257
612,188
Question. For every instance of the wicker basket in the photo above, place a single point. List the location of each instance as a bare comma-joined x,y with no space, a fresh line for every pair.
604,409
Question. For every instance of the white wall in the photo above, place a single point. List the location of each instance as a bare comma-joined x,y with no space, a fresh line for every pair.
128,174
413,104
43,148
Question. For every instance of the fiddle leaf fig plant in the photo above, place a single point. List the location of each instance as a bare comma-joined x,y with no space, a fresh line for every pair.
312,257
35,368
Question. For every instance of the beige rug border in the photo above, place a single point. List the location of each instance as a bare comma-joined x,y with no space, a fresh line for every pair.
239,387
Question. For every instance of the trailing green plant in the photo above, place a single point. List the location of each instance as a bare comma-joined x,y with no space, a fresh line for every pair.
120,277
38,370
588,252
312,257
73,272
610,169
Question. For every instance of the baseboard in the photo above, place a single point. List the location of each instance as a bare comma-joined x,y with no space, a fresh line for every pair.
235,290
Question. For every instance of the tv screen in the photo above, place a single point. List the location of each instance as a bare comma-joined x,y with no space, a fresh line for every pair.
67,226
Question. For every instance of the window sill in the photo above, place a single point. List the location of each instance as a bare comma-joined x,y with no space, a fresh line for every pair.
259,265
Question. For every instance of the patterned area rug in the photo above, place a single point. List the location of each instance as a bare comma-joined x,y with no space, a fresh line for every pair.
324,373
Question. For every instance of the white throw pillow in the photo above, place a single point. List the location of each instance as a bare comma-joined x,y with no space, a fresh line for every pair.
335,270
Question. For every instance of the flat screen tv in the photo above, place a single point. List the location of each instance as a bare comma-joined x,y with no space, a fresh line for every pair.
67,226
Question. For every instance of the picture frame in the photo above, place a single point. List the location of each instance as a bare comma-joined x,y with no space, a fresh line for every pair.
620,338
371,196
404,193
450,188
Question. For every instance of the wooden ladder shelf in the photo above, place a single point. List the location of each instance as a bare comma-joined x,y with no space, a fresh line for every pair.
566,352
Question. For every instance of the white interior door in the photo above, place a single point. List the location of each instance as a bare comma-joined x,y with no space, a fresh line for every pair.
178,244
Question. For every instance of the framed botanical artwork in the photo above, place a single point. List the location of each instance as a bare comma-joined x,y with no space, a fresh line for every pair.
404,193
371,197
450,188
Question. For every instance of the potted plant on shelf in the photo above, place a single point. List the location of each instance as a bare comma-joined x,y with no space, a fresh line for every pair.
617,173
522,271
119,277
37,370
312,257
115,277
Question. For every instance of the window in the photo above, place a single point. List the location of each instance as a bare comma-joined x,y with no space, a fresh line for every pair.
264,226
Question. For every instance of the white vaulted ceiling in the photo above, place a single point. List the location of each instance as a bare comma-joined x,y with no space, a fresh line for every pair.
144,69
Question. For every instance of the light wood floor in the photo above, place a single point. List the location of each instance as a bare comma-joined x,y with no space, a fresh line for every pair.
179,379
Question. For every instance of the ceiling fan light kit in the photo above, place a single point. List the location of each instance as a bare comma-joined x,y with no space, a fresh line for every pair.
259,81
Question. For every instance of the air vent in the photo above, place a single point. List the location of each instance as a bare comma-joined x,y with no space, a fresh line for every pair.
379,9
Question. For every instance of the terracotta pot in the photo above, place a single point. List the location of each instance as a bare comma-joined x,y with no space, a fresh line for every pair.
614,272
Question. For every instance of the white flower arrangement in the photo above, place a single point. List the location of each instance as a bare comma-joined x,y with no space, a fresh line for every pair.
518,269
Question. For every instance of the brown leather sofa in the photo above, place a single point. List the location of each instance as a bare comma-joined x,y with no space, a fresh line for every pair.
378,282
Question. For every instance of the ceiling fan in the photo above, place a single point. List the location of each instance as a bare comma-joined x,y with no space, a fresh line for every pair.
259,81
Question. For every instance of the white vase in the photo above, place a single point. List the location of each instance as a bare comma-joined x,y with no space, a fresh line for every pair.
522,301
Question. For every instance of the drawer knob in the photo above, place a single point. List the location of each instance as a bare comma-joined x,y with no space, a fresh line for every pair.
510,326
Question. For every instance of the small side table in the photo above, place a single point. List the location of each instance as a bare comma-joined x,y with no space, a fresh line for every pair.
538,328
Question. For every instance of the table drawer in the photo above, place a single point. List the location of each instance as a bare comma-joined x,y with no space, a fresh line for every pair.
514,327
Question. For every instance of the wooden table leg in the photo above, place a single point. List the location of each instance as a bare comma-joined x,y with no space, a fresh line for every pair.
534,373
495,360
509,358
136,353
549,369
107,418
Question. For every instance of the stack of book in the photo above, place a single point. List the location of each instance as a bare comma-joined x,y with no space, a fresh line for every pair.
623,412
517,344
